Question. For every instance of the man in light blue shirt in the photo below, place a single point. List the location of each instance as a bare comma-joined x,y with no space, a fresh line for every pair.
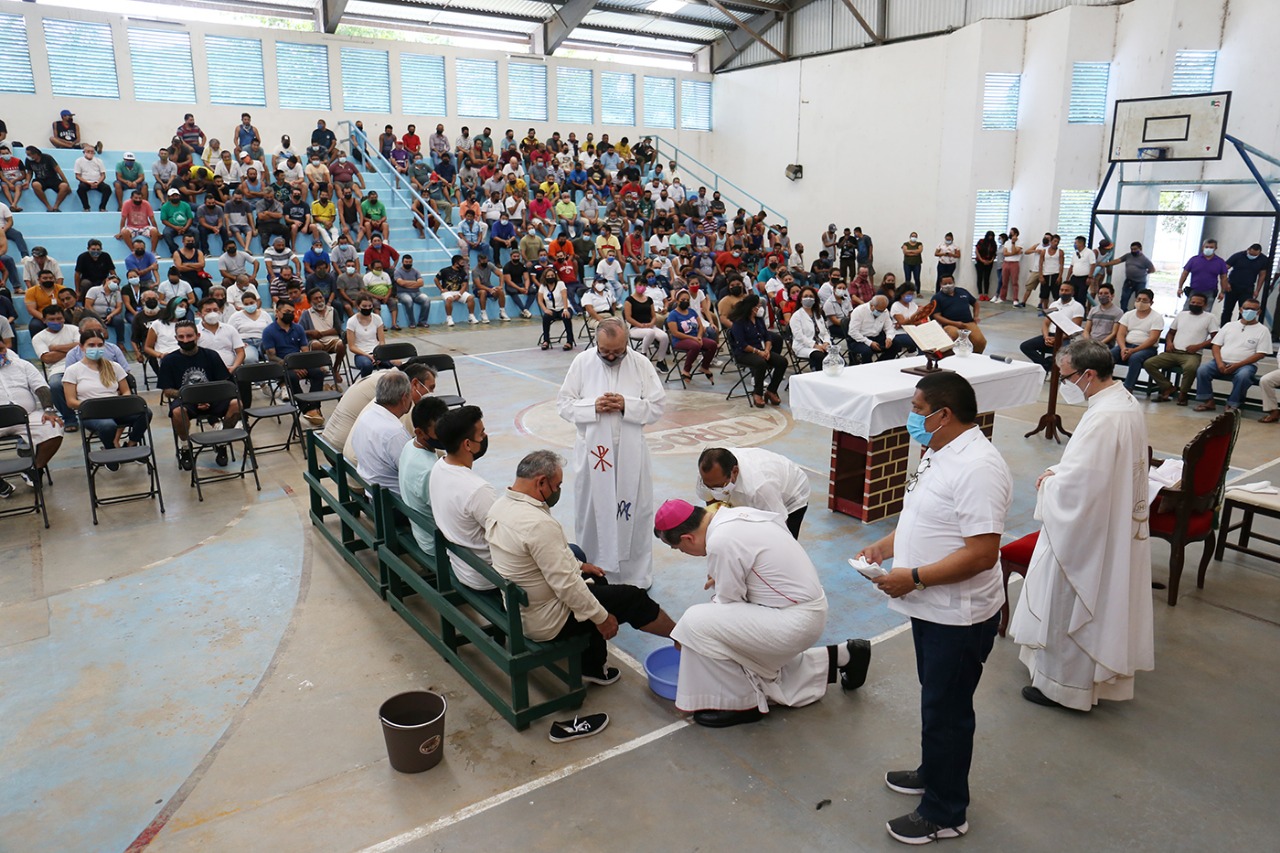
417,458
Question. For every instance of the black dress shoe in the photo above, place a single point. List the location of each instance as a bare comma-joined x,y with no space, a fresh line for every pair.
854,675
1033,694
724,719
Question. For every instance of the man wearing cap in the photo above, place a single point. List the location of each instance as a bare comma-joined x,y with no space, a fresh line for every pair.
91,176
177,219
752,644
754,477
946,578
129,177
66,133
610,394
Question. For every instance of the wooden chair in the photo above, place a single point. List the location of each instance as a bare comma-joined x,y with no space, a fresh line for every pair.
1015,557
1190,513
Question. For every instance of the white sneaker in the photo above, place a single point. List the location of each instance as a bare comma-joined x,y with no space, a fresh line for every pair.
484,318
502,315
526,314
472,320
448,321
996,301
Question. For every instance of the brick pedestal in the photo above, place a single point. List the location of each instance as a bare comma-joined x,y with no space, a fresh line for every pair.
869,475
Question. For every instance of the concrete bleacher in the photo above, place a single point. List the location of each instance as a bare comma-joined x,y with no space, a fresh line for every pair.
65,234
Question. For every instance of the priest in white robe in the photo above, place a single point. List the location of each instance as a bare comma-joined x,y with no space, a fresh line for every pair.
1085,617
610,395
753,643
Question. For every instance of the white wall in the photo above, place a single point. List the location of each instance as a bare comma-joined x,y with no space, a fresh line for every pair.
891,137
127,123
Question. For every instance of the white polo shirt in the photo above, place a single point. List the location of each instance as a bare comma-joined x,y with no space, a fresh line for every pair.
377,438
964,489
222,339
1073,308
460,502
1238,341
1084,261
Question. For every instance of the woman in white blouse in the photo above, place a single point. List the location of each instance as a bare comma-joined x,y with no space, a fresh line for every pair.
553,302
161,336
96,376
810,337
250,321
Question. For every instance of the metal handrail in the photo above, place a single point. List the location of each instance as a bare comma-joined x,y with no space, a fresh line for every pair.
384,168
683,158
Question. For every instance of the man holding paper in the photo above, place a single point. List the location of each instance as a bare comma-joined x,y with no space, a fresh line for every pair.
610,395
1040,349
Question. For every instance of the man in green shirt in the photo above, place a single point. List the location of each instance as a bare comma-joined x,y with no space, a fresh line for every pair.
373,216
176,218
567,217
129,177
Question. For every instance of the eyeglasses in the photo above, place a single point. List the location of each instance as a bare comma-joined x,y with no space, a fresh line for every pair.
915,477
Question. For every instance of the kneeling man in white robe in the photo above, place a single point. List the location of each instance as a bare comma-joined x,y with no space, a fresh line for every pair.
1085,617
753,643
610,395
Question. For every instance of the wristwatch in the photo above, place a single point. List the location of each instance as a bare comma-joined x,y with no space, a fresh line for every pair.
915,576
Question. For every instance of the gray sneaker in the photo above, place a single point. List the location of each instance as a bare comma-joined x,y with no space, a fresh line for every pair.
905,782
6,489
914,829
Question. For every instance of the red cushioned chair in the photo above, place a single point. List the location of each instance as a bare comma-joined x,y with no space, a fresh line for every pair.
1015,557
1190,513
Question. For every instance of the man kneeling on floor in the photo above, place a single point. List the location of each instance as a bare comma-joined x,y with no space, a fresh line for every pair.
751,644
567,597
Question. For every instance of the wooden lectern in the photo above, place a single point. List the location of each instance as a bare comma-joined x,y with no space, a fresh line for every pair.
1050,421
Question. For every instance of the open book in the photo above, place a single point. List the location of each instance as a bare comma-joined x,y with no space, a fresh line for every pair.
930,337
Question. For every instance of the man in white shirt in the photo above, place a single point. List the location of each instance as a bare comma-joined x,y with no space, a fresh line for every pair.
609,270
1237,348
837,307
529,547
378,435
1082,267
22,384
461,498
51,345
754,477
752,645
92,175
870,331
1189,335
218,336
946,577
357,398
1040,348
1137,335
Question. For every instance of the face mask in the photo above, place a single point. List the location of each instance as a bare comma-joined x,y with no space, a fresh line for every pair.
684,304
948,242
722,494
553,498
611,361
251,308
875,313
1104,299
139,252
54,327
179,312
1249,315
1066,297
366,311
1072,393
1044,242
213,318
1198,309
93,253
1208,252
949,289
484,448
760,311
133,282
187,346
286,317
908,298
93,353
342,159
916,427
807,302
640,289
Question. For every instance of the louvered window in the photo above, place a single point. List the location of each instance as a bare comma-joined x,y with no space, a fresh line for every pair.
302,76
366,80
477,87
659,101
575,95
82,59
15,56
526,91
1000,101
1193,72
990,213
161,62
422,87
235,71
1075,213
617,98
1089,93
695,104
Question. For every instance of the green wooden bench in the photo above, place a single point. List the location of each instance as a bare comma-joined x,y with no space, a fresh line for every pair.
336,489
491,622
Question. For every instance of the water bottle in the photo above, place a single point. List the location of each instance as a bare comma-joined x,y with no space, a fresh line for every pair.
963,346
833,364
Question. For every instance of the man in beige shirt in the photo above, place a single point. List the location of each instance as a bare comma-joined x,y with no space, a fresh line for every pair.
567,596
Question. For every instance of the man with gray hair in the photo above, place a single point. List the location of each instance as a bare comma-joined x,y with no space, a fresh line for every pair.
1085,618
378,436
567,596
610,395
871,334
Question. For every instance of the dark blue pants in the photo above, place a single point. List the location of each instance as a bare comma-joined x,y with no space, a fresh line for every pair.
949,662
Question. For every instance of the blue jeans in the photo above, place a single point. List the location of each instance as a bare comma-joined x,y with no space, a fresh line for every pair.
364,364
949,661
106,427
910,271
523,301
251,348
68,414
1241,379
1134,362
408,300
1128,291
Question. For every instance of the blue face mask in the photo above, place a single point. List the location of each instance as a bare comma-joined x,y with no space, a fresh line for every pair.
93,353
915,427
1249,315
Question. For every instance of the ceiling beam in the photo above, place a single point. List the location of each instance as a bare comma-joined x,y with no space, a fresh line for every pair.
329,14
875,36
750,27
725,49
758,5
664,16
562,22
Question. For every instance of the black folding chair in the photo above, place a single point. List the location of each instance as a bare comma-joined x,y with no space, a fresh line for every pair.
199,441
269,372
312,361
397,351
443,363
13,415
110,408
744,376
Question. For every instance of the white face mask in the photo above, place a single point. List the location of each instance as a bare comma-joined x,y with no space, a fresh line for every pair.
760,311
1072,393
722,494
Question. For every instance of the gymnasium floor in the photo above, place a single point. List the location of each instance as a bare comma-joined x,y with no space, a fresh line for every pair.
211,679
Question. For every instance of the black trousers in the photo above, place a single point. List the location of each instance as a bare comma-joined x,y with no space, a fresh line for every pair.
794,520
630,605
758,365
949,661
984,277
103,189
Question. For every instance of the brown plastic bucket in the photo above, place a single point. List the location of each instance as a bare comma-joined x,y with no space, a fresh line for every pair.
413,726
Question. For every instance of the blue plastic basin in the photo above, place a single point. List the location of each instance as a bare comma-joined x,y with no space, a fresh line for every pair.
663,668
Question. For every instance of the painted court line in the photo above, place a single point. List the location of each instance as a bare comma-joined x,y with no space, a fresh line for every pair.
503,367
1252,471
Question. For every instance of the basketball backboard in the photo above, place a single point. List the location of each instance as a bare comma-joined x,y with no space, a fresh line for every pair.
1174,127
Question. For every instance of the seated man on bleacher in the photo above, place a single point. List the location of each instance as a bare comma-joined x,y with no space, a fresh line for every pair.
461,498
22,384
528,547
417,459
1237,349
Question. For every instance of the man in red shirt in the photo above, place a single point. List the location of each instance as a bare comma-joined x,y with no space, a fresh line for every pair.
560,246
726,261
411,140
380,251
540,215
138,220
567,270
